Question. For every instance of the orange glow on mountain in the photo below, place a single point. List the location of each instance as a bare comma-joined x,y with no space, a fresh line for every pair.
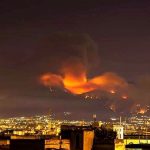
76,81
112,91
124,97
142,111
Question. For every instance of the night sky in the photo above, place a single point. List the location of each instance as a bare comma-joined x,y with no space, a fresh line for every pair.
34,40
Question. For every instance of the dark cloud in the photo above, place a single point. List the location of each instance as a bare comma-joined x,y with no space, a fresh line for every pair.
58,48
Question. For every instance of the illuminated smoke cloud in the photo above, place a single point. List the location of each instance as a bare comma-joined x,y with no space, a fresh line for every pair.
77,62
72,63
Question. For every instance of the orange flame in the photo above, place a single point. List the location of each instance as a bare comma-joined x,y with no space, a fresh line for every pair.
125,97
142,111
75,80
112,107
51,80
112,91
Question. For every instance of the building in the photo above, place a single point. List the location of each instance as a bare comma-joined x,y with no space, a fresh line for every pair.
57,144
27,144
81,137
119,131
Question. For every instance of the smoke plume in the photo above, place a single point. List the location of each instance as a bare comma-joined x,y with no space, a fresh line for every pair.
78,59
